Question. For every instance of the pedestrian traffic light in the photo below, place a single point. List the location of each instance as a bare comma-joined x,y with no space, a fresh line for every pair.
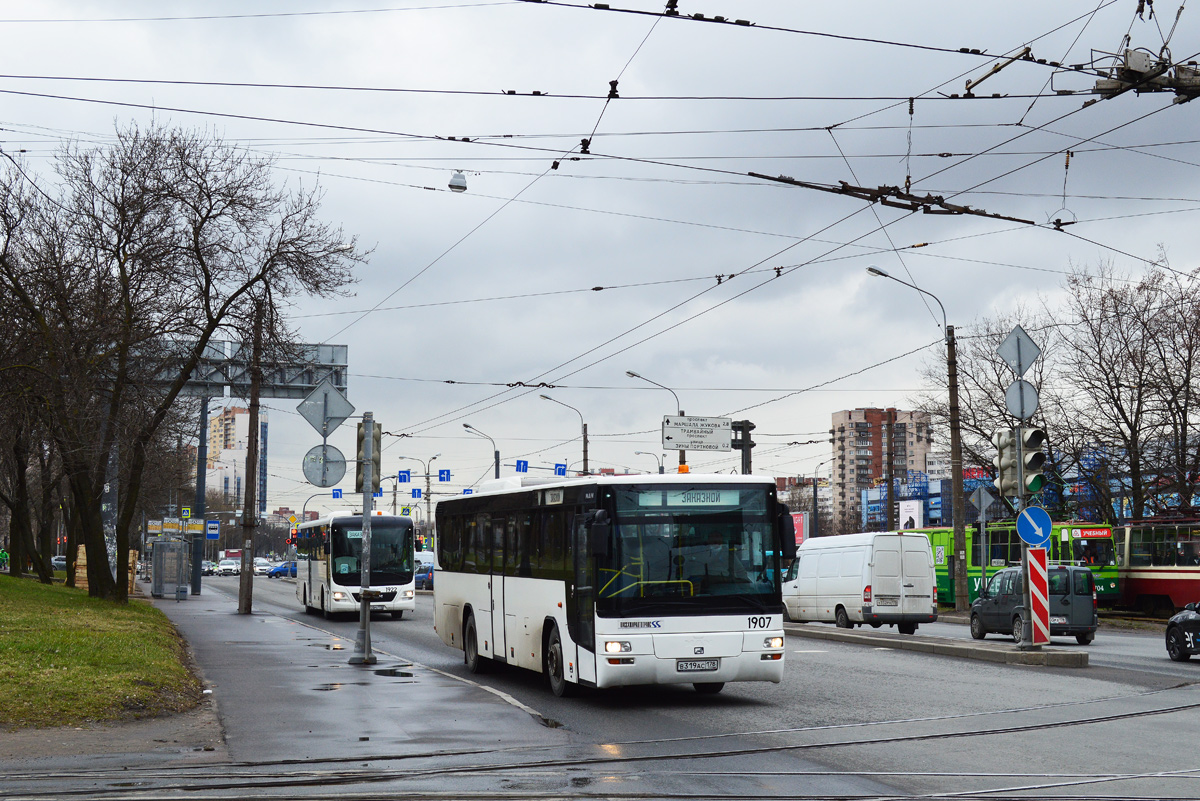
1006,482
376,461
1033,458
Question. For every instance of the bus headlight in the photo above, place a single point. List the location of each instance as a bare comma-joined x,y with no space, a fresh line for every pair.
617,647
339,596
773,642
408,593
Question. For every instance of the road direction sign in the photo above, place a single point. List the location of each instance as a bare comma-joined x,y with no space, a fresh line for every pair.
325,408
1021,399
1019,351
685,433
982,499
443,475
324,466
1033,526
1039,596
337,493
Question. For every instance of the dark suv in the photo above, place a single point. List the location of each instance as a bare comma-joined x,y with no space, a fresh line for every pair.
1072,596
1183,634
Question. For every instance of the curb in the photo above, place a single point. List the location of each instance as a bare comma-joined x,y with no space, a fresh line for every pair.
942,646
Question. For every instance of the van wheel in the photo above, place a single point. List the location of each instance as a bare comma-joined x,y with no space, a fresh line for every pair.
876,624
978,632
906,628
843,619
709,687
556,667
1085,639
475,663
1018,627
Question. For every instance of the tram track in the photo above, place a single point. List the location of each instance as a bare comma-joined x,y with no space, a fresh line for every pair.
282,779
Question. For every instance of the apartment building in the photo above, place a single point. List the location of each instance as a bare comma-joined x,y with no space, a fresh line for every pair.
864,442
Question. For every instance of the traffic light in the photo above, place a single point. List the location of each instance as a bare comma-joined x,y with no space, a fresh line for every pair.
376,461
1005,441
1033,458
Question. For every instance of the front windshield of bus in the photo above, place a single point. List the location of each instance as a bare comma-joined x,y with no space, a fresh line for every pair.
391,551
1094,552
707,546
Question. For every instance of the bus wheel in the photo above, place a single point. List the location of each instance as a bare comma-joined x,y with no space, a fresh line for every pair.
556,666
475,663
709,687
843,619
398,614
325,613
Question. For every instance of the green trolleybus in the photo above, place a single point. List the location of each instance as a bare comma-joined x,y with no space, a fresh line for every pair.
1071,543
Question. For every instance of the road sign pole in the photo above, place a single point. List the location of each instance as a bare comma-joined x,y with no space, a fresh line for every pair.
1039,616
362,643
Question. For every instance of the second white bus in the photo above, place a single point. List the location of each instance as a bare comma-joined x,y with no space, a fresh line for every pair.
329,573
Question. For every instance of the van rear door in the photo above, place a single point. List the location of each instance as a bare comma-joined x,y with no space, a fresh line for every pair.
1083,607
918,579
886,574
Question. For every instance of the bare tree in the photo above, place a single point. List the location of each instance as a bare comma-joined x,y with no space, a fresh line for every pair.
143,253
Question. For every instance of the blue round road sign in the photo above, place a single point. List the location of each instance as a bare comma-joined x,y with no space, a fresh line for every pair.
1033,526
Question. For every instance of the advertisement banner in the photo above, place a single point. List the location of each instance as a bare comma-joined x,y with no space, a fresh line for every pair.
912,514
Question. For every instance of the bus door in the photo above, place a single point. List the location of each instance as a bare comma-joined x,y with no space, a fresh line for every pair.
583,628
496,584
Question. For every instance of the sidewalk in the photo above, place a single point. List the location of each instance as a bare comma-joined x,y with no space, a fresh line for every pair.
279,689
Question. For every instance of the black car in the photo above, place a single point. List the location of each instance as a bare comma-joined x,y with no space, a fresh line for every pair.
1072,601
1183,634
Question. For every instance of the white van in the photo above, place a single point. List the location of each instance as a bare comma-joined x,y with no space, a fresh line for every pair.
424,558
875,578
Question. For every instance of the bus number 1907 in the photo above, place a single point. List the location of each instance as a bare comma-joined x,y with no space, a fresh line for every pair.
758,622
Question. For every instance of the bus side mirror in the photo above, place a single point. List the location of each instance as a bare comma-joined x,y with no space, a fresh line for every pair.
601,532
787,533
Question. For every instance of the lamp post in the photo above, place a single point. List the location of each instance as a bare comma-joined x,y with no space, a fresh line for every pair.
956,470
581,423
655,455
816,524
495,450
682,453
425,466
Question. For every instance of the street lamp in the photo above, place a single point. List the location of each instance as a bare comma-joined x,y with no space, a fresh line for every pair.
956,472
496,450
682,453
581,423
425,466
816,521
655,455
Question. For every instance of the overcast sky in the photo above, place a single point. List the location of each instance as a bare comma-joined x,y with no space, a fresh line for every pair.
749,298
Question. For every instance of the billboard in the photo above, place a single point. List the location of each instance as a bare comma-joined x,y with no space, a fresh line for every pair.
912,514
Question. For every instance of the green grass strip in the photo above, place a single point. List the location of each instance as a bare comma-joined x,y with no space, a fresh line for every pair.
67,659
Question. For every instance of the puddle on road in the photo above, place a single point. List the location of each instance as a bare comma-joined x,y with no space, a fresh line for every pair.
336,646
394,672
337,685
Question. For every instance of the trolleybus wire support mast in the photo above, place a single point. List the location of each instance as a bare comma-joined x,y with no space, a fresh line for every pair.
362,641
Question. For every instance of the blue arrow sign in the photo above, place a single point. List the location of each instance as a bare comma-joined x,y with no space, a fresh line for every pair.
522,466
404,476
416,492
468,491
337,493
443,475
377,493
560,469
1033,525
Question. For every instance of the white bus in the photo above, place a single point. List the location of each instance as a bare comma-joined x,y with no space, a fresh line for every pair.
604,581
328,571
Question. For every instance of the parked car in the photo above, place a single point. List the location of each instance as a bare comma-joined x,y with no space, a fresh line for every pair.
1183,634
229,567
424,577
1071,596
282,570
58,562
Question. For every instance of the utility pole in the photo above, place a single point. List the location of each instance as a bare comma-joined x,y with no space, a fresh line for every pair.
250,509
891,469
958,511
